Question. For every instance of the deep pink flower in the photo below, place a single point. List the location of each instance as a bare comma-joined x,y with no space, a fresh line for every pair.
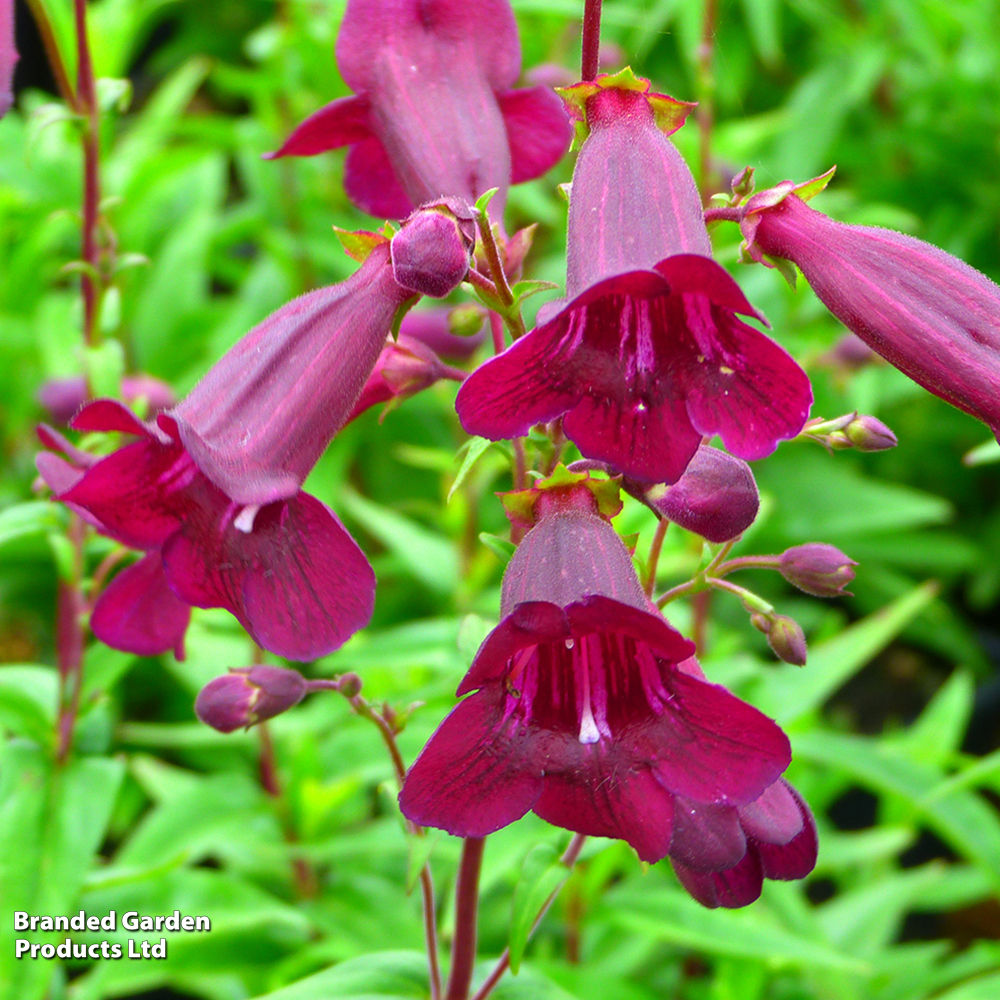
137,611
8,55
583,706
434,114
289,571
649,356
259,420
405,367
928,313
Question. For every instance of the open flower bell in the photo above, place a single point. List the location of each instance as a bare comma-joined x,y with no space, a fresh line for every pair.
291,574
585,706
434,113
650,355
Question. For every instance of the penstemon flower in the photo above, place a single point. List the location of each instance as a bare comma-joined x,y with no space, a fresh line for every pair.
928,313
434,114
291,574
649,356
586,707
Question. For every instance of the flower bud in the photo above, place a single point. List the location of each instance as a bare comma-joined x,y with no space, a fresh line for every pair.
784,636
432,252
247,696
868,434
818,569
716,497
349,685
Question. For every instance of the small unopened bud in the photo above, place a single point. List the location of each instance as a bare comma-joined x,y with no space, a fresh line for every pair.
431,254
349,685
716,497
868,434
244,697
818,569
784,636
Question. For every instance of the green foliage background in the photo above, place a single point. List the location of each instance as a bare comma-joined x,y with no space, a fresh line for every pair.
893,722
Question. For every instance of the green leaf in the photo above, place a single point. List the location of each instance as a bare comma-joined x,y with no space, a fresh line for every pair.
542,875
669,916
473,451
502,548
471,633
36,517
28,694
52,822
387,975
428,557
421,849
959,817
762,18
981,988
789,693
939,731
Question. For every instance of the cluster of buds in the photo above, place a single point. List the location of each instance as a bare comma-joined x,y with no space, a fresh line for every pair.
853,430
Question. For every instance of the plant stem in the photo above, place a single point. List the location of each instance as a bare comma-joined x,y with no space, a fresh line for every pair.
706,98
722,214
362,708
591,57
52,53
86,102
654,555
746,562
463,952
568,859
268,765
496,330
701,604
492,253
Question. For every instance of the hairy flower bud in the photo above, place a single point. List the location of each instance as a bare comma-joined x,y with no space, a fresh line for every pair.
432,252
716,497
784,636
818,569
866,433
244,697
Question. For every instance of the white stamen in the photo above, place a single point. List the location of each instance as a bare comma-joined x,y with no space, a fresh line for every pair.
244,519
589,733
569,643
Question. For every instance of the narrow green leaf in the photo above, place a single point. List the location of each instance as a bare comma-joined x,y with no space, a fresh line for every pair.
421,849
386,975
428,557
981,988
502,548
476,447
32,518
789,693
542,876
28,701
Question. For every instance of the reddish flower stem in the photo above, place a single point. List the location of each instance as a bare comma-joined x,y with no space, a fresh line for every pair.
706,98
568,859
654,555
463,952
86,103
101,574
747,562
701,605
52,53
590,61
362,708
496,330
723,214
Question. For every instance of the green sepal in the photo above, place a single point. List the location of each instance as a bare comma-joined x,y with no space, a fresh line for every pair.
520,504
502,548
525,289
359,243
483,201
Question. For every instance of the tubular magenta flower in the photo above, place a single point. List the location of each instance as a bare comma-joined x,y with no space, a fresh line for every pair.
292,575
584,706
649,356
928,313
434,114
261,417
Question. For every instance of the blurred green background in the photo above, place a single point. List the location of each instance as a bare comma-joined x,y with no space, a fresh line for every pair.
895,722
